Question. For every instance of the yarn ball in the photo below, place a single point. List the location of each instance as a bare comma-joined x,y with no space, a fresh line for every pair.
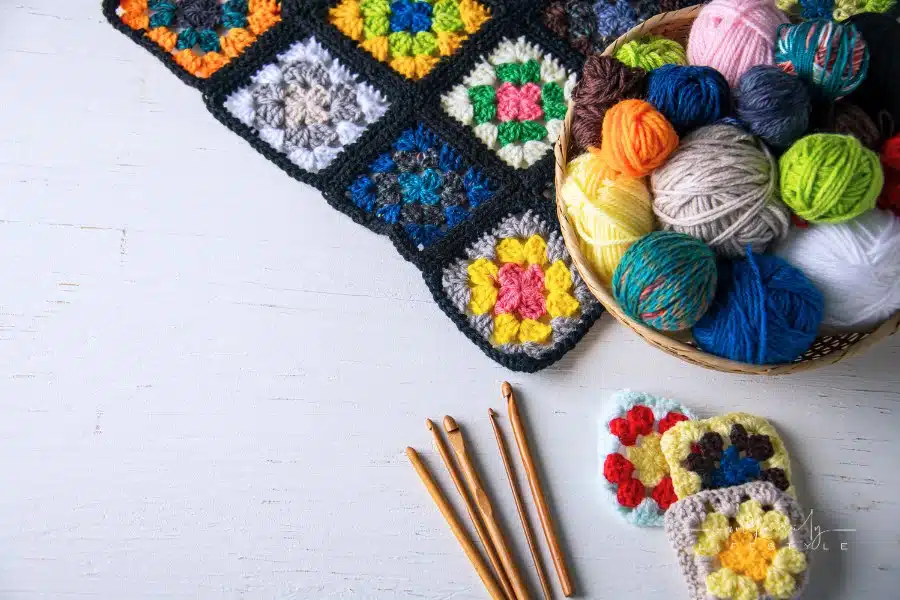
880,90
832,57
609,214
666,280
847,8
855,264
816,9
637,138
765,312
839,10
721,186
651,52
689,97
604,82
774,105
733,35
829,178
890,161
849,119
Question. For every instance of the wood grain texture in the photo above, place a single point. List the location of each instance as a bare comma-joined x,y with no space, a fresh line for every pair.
208,376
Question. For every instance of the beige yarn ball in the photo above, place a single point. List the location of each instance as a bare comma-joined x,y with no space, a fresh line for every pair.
721,186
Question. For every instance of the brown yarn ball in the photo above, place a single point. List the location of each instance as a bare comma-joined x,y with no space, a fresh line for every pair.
849,119
604,82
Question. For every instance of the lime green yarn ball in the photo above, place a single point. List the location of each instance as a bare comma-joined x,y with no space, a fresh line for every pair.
651,52
830,178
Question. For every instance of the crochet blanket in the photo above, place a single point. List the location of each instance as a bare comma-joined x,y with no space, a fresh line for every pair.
431,122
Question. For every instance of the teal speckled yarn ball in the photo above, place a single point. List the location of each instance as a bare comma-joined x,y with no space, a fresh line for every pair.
666,280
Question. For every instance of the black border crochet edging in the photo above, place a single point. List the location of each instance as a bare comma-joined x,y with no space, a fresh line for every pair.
463,236
323,181
372,69
140,38
502,182
533,176
411,103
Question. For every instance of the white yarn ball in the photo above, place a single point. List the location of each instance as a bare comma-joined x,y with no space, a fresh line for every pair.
855,264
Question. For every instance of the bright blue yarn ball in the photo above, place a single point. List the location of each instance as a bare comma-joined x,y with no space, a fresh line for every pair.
688,96
765,312
666,280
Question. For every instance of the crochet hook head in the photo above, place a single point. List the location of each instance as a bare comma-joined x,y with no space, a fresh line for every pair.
450,424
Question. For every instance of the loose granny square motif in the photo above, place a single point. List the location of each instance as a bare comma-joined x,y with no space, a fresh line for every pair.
514,101
740,543
635,472
307,105
725,451
409,35
202,36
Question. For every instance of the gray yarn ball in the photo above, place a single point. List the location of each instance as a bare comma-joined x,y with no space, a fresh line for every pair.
721,186
775,105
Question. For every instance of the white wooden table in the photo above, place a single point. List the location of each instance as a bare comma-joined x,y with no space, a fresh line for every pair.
209,376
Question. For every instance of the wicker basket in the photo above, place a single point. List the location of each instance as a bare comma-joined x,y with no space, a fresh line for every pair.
826,350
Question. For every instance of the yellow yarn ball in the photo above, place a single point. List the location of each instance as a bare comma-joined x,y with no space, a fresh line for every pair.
610,212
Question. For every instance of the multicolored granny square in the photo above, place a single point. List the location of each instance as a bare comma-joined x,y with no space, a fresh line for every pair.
518,290
740,543
386,107
725,451
423,185
410,35
635,472
307,105
515,101
201,35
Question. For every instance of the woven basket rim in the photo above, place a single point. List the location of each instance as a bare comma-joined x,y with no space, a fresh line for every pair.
676,343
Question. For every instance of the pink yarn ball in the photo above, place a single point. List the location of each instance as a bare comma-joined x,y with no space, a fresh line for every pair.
733,35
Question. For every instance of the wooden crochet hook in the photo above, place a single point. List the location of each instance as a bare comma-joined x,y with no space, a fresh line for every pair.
537,492
485,508
456,527
520,507
483,535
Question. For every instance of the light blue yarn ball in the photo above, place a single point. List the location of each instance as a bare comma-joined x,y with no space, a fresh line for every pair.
666,280
765,312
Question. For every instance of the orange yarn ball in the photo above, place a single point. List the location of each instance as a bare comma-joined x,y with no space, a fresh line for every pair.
637,138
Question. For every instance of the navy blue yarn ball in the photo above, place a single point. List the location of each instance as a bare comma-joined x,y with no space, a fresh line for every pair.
765,312
775,105
816,9
688,96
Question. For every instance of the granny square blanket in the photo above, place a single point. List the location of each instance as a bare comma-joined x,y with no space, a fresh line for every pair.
431,122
